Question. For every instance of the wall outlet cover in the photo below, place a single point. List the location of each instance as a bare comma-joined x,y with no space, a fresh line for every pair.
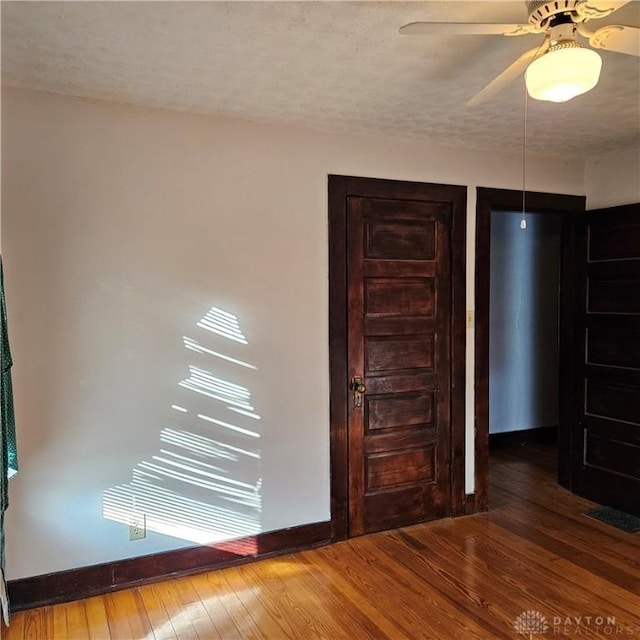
138,527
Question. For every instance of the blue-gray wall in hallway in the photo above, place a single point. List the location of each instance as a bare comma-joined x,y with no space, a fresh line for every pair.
523,337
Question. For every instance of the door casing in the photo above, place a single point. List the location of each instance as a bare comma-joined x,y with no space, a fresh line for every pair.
568,207
339,188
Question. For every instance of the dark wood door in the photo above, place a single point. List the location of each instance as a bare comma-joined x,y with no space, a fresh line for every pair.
400,334
607,437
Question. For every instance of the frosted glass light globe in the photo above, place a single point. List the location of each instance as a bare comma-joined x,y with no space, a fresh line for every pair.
562,74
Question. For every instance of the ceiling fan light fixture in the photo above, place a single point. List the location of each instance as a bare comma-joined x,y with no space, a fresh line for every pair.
564,72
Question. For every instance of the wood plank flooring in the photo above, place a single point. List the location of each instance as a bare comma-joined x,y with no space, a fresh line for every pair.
465,578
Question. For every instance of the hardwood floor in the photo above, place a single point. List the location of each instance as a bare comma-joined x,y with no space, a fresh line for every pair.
465,578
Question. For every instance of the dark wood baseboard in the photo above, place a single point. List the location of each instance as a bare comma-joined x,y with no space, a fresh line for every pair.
64,586
541,435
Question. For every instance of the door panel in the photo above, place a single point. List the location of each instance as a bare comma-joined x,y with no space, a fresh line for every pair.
396,353
613,341
607,454
399,410
399,297
399,316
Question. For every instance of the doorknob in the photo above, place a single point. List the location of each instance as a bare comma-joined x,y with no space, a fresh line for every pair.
358,390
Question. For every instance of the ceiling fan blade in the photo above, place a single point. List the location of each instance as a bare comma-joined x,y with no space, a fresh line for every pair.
508,75
594,9
464,28
619,38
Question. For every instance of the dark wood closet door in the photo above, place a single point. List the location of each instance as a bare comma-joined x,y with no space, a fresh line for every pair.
399,350
607,436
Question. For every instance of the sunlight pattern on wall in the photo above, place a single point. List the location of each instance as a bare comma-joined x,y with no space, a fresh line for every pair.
203,484
204,382
223,323
194,345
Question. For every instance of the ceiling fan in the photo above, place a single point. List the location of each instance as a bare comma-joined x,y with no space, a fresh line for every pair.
559,68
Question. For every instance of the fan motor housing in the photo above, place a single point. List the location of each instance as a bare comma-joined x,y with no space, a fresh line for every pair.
542,13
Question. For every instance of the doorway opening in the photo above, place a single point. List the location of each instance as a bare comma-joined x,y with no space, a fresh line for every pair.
525,306
524,313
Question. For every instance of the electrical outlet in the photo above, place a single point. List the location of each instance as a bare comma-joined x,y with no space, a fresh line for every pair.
469,318
138,527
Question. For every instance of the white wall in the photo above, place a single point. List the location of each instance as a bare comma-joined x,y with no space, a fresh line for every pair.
122,227
523,330
613,179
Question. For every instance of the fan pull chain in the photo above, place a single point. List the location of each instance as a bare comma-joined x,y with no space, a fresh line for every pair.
523,221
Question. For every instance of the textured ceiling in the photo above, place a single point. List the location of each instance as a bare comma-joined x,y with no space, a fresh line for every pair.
333,66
